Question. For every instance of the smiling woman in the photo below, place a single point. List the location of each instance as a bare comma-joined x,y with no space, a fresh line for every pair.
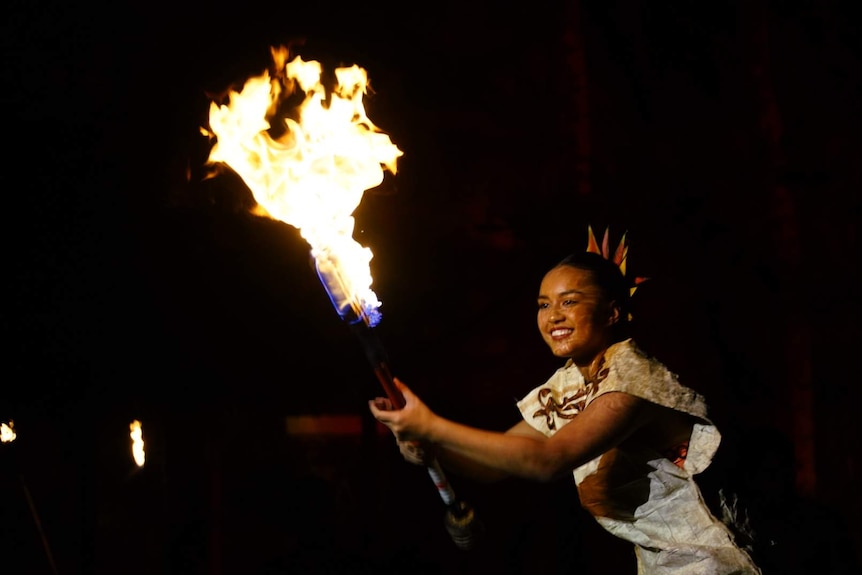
633,437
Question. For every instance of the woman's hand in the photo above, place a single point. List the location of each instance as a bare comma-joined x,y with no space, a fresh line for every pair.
411,423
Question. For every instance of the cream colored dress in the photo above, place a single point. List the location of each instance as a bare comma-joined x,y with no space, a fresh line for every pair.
634,492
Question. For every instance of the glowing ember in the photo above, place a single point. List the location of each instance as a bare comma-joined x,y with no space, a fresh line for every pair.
7,432
137,435
309,167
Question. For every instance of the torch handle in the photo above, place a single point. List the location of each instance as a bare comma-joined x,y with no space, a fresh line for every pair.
460,519
384,376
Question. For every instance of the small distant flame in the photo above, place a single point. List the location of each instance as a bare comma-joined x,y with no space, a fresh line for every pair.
137,436
312,165
7,432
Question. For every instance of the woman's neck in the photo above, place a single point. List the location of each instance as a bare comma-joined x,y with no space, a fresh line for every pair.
591,368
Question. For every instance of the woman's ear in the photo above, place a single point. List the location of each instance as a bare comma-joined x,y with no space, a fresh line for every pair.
615,314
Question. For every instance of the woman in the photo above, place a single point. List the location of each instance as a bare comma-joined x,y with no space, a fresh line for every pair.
633,436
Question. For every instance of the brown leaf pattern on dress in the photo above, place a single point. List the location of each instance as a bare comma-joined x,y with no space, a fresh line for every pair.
571,405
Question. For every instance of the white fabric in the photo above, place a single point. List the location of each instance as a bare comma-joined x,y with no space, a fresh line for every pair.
636,493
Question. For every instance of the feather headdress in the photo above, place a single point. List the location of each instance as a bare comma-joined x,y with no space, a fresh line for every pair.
619,256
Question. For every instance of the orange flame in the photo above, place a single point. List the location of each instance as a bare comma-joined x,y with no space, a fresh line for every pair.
7,432
314,174
137,435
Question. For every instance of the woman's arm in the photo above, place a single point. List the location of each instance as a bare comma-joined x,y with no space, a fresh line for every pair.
521,451
463,465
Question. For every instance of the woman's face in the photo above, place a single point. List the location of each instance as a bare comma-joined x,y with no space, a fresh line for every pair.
574,318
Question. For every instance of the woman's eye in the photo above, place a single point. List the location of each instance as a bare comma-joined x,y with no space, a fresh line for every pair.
543,305
570,302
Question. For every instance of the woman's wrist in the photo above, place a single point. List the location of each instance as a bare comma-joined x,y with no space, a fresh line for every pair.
433,431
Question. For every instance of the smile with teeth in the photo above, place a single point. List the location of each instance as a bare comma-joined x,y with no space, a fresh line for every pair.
561,332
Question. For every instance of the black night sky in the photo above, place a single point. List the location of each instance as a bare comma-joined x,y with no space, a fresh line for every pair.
724,138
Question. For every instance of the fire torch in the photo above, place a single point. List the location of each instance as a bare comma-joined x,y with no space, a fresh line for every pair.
312,175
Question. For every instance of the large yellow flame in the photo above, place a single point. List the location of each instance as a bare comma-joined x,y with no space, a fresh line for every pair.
308,167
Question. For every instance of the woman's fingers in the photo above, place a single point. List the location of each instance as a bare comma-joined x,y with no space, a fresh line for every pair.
412,451
381,409
400,385
382,403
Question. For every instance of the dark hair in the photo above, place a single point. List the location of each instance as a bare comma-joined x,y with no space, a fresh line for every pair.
609,279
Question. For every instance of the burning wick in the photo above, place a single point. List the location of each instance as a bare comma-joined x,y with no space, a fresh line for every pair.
137,442
7,432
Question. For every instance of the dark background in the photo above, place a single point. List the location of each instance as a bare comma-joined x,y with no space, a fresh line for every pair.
724,138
